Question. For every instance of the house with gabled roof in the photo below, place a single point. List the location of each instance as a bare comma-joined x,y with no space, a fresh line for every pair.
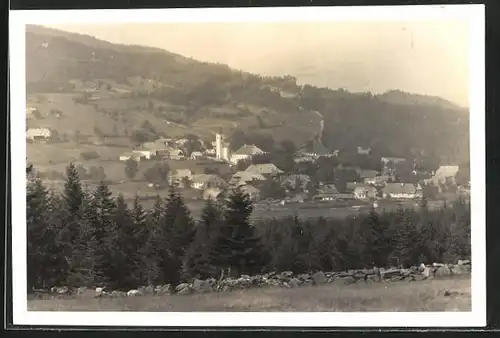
245,152
247,177
363,174
266,169
327,192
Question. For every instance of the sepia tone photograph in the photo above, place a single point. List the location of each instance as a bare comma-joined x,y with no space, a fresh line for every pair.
253,166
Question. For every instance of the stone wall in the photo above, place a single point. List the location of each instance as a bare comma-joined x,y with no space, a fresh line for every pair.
284,280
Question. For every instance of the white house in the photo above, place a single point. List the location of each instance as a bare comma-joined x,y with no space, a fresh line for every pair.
246,152
38,134
129,156
364,151
144,153
195,155
400,191
444,173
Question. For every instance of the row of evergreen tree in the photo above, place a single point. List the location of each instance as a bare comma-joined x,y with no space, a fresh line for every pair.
90,238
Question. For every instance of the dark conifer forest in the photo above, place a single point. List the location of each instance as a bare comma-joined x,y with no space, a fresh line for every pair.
91,238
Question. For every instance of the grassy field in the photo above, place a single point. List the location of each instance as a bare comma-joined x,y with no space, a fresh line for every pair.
453,294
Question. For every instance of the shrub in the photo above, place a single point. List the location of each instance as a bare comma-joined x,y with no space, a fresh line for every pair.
89,155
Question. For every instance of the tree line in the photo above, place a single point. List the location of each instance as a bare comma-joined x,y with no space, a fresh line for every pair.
90,238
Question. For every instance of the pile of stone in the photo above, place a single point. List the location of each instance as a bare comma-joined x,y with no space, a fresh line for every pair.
284,279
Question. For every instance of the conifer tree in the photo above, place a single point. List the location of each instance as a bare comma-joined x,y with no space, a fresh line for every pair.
102,222
154,248
71,212
40,235
378,239
178,232
139,221
85,253
239,248
126,244
199,256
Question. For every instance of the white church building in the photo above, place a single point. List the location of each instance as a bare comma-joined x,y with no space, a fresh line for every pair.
222,150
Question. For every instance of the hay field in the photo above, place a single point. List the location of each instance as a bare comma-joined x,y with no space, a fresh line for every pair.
429,295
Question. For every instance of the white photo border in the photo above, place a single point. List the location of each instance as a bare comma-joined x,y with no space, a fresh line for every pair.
474,14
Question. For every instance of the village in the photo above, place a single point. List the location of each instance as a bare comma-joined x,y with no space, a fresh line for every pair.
209,170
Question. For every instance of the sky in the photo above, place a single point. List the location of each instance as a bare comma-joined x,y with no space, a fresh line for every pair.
424,57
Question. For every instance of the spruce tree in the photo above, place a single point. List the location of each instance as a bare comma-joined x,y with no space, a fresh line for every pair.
85,253
154,249
199,256
139,220
178,232
72,199
73,193
102,222
239,248
40,237
126,245
378,244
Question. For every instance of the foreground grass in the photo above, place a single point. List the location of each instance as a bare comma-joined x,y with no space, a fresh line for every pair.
452,294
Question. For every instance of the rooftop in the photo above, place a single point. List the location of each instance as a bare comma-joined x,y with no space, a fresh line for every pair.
248,149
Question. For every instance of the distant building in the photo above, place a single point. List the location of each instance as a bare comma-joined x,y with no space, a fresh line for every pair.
365,192
327,192
222,151
394,160
304,159
38,134
364,151
445,173
204,181
130,156
144,153
400,191
246,177
378,180
179,176
364,174
195,155
176,154
267,169
246,152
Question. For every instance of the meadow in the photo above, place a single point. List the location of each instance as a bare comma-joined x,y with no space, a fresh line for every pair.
450,294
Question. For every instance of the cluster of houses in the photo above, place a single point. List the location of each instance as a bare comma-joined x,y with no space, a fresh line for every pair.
175,149
372,184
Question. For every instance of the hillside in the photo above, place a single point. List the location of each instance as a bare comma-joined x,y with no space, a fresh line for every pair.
178,95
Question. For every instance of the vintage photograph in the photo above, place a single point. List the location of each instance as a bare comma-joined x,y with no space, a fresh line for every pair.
254,166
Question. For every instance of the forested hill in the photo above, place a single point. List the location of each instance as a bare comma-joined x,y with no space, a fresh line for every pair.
206,95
